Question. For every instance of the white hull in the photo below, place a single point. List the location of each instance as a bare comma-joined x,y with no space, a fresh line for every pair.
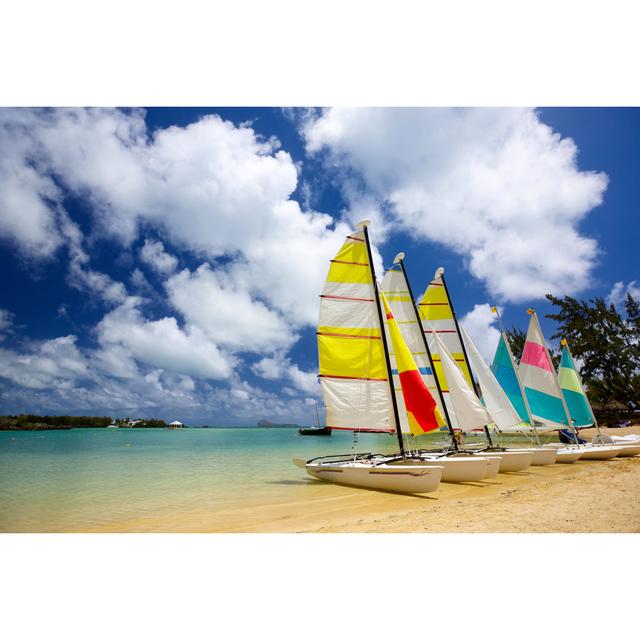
568,455
381,477
599,452
493,467
459,469
628,449
630,439
542,456
513,460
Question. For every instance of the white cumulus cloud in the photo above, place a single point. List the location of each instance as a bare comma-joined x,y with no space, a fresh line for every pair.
619,291
162,343
153,253
497,186
480,324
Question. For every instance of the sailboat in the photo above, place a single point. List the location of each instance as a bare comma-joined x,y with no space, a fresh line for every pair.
318,430
580,408
453,372
355,376
506,375
543,392
459,466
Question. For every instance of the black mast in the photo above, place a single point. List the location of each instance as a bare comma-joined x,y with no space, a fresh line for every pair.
464,350
394,401
426,346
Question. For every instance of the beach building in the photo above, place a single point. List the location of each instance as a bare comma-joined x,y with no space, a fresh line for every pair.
176,425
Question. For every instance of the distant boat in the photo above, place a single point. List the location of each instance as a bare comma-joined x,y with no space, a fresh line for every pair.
113,425
315,431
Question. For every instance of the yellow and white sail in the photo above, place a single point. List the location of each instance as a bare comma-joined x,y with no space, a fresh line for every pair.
436,314
396,291
435,308
353,372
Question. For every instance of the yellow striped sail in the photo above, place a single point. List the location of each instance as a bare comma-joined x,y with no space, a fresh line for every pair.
437,318
353,371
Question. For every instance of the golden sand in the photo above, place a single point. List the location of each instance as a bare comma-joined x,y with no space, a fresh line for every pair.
588,496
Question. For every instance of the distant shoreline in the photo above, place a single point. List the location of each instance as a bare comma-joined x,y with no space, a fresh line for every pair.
48,427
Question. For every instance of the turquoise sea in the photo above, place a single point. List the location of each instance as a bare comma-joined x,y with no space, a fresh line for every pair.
96,479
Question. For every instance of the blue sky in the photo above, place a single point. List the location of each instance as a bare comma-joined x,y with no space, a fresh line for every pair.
166,262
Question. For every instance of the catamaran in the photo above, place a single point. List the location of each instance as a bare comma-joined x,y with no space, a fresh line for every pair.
580,409
459,466
453,372
545,396
356,381
507,376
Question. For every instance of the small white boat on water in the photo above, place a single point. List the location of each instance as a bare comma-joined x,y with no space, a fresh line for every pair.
112,426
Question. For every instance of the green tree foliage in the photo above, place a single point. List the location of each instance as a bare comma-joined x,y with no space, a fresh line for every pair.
607,344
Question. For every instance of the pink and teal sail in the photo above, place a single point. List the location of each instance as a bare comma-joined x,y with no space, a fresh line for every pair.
574,395
539,380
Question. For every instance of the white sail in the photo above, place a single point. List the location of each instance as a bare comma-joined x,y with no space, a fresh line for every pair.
470,412
500,409
353,371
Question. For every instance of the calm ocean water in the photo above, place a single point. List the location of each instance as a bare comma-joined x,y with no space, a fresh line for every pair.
95,478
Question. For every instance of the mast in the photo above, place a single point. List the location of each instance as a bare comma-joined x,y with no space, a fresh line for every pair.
565,344
503,334
364,224
400,260
531,312
464,349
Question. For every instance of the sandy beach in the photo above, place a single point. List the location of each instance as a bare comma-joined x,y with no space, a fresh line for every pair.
585,497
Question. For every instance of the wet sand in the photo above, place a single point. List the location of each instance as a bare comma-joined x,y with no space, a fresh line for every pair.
585,497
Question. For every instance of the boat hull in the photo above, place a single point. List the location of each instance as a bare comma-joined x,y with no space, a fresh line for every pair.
599,452
315,431
628,450
541,456
513,460
568,456
492,468
459,469
379,477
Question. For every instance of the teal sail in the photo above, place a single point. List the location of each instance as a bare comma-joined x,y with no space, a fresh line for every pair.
503,369
572,390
